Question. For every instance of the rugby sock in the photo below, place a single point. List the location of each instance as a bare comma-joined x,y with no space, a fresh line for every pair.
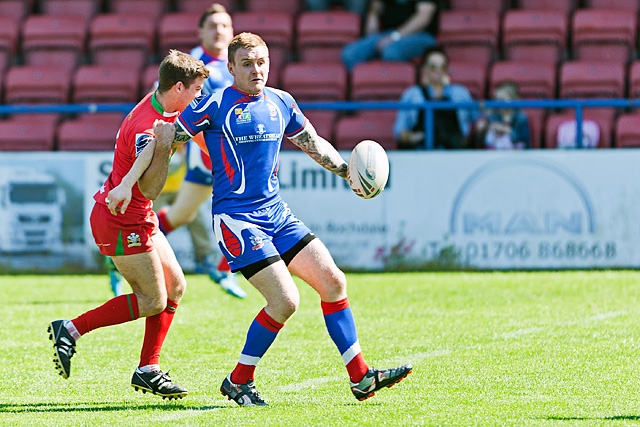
155,331
121,309
342,330
261,334
165,225
223,265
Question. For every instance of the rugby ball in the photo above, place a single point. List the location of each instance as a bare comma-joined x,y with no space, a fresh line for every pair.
368,169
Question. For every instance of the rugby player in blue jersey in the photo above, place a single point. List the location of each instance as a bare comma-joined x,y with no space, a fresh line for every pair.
243,127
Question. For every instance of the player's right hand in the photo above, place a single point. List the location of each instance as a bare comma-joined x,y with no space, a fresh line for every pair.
118,196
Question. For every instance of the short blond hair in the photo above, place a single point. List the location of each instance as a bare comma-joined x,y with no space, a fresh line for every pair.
244,41
179,67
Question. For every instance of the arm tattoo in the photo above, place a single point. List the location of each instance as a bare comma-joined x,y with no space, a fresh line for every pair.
322,152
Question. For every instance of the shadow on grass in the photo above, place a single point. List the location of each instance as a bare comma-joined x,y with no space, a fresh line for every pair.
611,418
73,407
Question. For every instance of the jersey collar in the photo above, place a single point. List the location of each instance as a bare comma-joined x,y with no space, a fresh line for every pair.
156,105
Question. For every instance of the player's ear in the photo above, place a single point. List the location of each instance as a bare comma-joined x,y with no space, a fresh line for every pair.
230,68
179,86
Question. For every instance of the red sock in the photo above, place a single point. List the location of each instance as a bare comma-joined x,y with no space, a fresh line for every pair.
223,265
121,309
155,331
165,225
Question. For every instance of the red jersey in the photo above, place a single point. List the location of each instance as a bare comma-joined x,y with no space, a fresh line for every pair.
134,134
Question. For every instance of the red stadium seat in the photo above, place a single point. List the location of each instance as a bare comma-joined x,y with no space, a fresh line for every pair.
199,6
34,84
122,39
94,132
315,81
628,5
292,7
627,133
178,30
321,35
276,29
104,83
566,6
17,9
152,8
27,133
149,78
54,40
470,35
604,35
471,75
9,29
536,122
586,79
634,79
534,79
497,6
85,8
323,121
381,80
371,124
553,121
535,35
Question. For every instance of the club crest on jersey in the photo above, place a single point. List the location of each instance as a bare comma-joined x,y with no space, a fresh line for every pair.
260,129
142,139
273,113
256,242
242,116
133,239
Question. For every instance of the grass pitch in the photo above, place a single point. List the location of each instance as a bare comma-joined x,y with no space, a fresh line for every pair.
488,349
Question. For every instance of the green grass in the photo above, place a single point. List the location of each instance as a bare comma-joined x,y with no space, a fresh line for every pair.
488,349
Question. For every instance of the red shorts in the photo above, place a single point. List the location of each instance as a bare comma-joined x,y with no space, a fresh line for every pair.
123,234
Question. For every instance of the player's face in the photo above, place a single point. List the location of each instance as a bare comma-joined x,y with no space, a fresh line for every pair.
250,69
188,94
216,33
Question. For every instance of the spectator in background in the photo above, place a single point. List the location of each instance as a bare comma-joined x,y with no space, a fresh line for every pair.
394,30
452,127
503,128
357,6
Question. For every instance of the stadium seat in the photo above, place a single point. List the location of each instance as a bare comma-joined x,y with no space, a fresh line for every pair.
37,84
370,124
536,118
634,79
27,133
91,132
566,6
199,6
54,40
554,120
323,121
148,78
17,9
292,7
535,35
104,83
471,75
381,80
9,30
497,6
121,39
276,28
470,35
628,5
152,8
603,35
534,79
85,8
178,30
315,81
586,79
321,35
627,132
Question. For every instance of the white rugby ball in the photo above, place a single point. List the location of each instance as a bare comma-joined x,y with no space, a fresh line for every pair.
368,169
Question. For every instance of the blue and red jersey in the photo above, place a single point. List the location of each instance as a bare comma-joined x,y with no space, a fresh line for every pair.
243,134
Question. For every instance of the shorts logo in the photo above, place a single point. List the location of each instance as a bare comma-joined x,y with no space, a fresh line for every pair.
133,239
257,243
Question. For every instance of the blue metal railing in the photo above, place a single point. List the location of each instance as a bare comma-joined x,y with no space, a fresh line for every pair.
429,106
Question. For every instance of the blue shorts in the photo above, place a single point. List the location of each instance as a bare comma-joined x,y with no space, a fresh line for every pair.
198,165
248,238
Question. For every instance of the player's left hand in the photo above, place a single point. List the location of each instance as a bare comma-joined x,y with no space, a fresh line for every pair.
118,196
